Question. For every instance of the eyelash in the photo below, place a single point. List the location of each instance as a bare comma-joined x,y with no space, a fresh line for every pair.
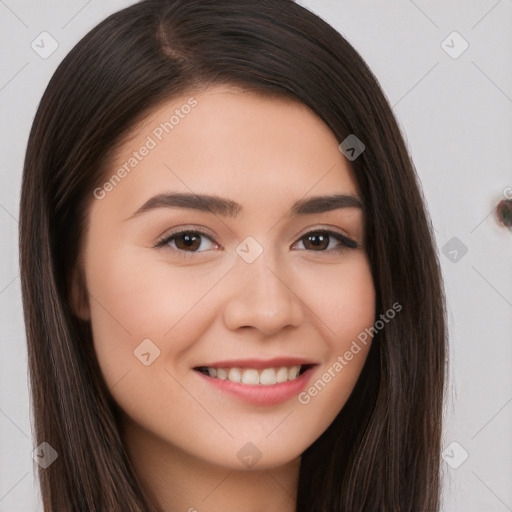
346,243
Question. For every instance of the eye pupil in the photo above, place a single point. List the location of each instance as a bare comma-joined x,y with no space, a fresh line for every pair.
318,239
189,241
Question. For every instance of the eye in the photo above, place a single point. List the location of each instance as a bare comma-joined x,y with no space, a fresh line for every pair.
320,241
186,241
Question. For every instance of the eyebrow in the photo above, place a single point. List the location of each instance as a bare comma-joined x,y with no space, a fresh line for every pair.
228,208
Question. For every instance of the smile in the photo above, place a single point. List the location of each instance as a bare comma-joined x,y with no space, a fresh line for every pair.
263,383
254,376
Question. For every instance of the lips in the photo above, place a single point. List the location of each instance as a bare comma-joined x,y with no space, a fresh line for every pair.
263,382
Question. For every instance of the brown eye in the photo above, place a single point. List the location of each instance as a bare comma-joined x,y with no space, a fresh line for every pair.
320,240
185,241
317,241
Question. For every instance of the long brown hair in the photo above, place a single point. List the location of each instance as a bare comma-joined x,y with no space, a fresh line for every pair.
382,452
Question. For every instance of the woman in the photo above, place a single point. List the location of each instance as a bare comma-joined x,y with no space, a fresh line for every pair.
231,291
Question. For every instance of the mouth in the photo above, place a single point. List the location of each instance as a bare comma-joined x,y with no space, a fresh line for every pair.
252,376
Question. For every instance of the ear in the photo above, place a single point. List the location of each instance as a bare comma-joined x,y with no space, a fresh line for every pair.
78,296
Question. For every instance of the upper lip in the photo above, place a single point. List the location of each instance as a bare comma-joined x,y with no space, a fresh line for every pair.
260,363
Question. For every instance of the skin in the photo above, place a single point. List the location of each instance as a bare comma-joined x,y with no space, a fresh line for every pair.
183,435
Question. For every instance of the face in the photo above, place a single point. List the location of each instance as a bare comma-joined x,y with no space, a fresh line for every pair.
223,326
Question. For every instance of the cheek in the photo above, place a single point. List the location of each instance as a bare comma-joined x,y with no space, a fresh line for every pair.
143,296
355,309
135,298
346,311
341,300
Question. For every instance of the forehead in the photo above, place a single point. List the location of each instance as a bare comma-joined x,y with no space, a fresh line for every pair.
258,149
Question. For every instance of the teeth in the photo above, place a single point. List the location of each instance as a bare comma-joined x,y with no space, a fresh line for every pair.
234,375
293,372
282,374
252,376
268,376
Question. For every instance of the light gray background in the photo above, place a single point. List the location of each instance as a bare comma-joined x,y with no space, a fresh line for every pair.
456,117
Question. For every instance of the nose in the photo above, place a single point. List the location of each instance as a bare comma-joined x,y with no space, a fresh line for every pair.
261,296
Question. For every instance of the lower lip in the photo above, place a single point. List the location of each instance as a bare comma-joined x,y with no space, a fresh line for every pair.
259,394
